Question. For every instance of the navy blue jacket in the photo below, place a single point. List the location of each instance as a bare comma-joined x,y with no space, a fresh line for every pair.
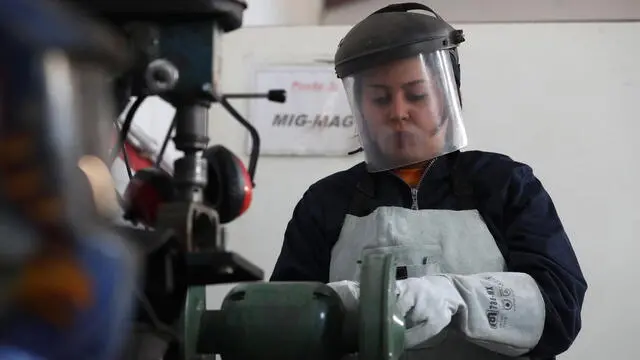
513,203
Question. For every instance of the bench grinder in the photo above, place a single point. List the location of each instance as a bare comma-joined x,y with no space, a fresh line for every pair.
298,320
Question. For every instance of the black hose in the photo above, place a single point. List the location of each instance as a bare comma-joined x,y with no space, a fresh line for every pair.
125,128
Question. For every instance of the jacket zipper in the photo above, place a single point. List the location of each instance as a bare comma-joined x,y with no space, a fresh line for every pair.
414,190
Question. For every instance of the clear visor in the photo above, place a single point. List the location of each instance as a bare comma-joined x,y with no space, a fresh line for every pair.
407,111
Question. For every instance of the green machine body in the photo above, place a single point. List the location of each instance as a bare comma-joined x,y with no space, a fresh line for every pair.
304,320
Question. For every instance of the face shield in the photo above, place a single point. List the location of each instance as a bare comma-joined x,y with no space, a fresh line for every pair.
407,111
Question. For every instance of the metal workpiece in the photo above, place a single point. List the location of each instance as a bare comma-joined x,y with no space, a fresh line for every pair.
191,137
190,177
192,126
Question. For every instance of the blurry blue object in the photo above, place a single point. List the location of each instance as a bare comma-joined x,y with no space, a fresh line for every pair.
35,116
99,332
12,353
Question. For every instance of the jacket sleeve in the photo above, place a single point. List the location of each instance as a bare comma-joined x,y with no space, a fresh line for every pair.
538,245
304,255
534,306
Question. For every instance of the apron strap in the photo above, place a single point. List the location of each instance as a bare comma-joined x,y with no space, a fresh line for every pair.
363,203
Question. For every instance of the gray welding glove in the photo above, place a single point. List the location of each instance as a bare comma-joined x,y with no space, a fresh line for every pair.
428,305
501,311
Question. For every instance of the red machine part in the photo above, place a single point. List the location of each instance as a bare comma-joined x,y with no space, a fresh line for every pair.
136,158
230,189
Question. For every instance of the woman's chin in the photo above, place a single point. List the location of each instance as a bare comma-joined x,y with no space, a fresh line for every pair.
404,157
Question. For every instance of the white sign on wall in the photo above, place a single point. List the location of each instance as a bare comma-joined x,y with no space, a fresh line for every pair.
314,121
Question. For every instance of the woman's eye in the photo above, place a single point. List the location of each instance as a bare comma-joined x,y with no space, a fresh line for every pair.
382,100
416,97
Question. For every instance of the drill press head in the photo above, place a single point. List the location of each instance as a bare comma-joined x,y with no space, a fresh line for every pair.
175,44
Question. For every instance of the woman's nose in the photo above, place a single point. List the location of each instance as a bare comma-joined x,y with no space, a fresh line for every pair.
399,108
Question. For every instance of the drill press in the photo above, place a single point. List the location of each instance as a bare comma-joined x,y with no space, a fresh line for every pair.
175,50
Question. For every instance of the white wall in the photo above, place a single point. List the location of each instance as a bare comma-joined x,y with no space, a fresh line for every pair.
561,97
474,11
280,180
282,12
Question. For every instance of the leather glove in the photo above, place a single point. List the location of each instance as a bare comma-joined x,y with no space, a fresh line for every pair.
428,304
484,309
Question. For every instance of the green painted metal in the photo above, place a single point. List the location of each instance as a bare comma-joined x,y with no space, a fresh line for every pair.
381,326
281,321
190,323
297,320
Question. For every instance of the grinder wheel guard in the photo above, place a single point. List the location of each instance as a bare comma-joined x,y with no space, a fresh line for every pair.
381,326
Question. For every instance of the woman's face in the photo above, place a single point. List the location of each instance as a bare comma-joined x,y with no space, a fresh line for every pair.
402,105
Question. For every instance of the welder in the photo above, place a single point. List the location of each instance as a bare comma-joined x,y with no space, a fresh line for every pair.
484,266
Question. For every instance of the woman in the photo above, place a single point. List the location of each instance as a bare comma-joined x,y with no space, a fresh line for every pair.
485,269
